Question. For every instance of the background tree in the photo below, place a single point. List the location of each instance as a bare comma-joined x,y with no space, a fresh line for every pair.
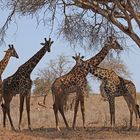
46,76
81,21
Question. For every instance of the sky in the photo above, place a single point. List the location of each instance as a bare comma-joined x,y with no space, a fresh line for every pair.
27,38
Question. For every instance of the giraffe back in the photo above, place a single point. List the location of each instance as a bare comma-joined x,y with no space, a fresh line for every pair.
128,87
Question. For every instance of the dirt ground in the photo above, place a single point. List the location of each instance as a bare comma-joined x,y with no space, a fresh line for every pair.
97,122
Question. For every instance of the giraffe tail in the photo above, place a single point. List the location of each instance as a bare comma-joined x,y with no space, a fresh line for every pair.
137,107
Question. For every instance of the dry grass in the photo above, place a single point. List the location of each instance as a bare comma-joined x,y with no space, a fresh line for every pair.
138,96
97,121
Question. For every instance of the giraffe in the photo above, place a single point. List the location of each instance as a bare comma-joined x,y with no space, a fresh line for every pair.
75,81
114,86
130,99
20,83
11,52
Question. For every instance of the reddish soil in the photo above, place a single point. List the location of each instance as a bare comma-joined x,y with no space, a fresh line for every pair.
97,122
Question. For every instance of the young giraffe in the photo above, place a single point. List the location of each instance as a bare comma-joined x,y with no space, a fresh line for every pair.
11,52
75,81
20,83
113,86
131,100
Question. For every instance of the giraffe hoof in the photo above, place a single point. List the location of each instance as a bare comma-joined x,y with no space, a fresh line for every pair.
30,129
68,127
13,129
84,127
74,128
58,128
19,128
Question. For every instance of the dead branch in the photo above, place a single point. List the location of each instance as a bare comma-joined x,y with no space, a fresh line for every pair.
42,105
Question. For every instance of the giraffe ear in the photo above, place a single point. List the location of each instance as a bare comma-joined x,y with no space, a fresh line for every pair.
82,57
42,43
73,57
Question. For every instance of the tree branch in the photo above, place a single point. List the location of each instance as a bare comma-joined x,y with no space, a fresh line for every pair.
127,16
97,9
6,24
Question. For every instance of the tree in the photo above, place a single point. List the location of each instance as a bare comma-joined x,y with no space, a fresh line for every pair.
46,76
41,86
86,21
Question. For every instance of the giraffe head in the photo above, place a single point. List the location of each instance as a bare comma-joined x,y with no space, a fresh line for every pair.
113,44
12,52
78,59
47,44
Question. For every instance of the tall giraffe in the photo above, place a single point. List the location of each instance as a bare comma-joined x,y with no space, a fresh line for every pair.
11,52
75,81
20,83
131,100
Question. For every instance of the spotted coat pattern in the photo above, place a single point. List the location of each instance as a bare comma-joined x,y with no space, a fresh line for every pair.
21,83
113,86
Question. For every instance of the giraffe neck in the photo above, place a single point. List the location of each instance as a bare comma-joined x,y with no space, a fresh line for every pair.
101,73
4,62
84,68
98,58
28,66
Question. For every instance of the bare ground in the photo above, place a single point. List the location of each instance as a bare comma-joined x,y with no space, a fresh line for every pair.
97,122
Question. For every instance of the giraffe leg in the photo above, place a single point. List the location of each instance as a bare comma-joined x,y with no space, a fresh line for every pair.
136,111
21,110
61,110
137,115
75,110
55,108
0,97
83,109
132,107
128,101
4,114
28,110
131,116
112,111
9,116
